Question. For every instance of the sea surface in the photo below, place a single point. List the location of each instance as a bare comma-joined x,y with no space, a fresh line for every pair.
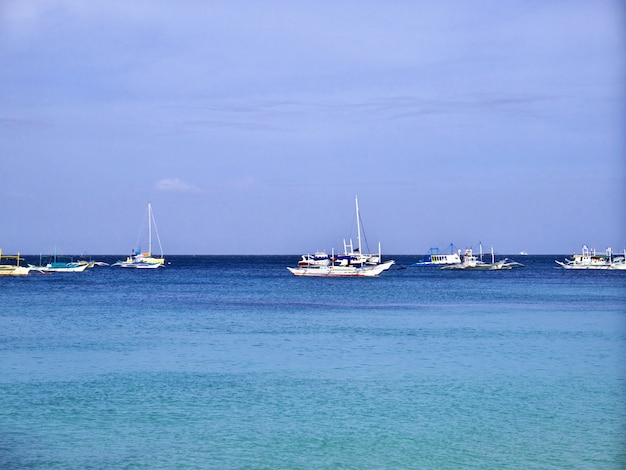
230,362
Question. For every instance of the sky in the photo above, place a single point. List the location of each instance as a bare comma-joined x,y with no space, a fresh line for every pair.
251,127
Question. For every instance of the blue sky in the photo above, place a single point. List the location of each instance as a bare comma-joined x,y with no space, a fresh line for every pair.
251,126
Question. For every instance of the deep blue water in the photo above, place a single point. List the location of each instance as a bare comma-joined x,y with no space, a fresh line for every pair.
231,362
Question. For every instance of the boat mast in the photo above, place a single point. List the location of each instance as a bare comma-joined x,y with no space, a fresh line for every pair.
149,229
156,231
358,223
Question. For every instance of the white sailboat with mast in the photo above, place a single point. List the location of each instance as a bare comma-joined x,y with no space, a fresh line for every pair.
145,260
354,256
352,262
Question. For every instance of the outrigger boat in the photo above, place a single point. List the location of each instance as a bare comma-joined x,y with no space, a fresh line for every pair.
13,270
342,271
352,262
592,260
473,262
436,258
57,266
145,260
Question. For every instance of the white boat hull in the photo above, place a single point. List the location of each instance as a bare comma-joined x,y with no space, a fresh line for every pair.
8,270
145,260
591,260
341,271
140,265
593,267
68,269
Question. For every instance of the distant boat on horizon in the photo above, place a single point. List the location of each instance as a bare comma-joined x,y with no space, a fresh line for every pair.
436,258
351,263
591,260
54,265
13,269
472,262
145,260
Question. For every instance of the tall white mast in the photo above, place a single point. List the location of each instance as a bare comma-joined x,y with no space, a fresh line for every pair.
358,224
149,229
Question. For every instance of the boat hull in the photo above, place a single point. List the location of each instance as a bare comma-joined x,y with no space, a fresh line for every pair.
592,267
140,265
62,269
7,270
589,259
341,271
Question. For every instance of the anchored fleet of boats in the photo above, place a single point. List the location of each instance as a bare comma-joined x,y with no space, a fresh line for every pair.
138,259
352,262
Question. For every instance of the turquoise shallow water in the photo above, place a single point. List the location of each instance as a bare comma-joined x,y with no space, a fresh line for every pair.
231,362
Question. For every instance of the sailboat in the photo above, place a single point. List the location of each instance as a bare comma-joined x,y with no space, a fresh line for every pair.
352,256
145,260
352,262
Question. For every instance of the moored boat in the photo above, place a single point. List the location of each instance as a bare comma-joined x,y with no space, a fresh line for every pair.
145,260
354,256
61,267
590,259
54,265
352,262
436,258
472,262
341,271
13,269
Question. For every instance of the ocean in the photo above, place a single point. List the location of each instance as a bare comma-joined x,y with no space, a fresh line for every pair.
230,362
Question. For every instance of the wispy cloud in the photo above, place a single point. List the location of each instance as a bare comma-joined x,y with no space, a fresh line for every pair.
176,185
289,115
13,124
